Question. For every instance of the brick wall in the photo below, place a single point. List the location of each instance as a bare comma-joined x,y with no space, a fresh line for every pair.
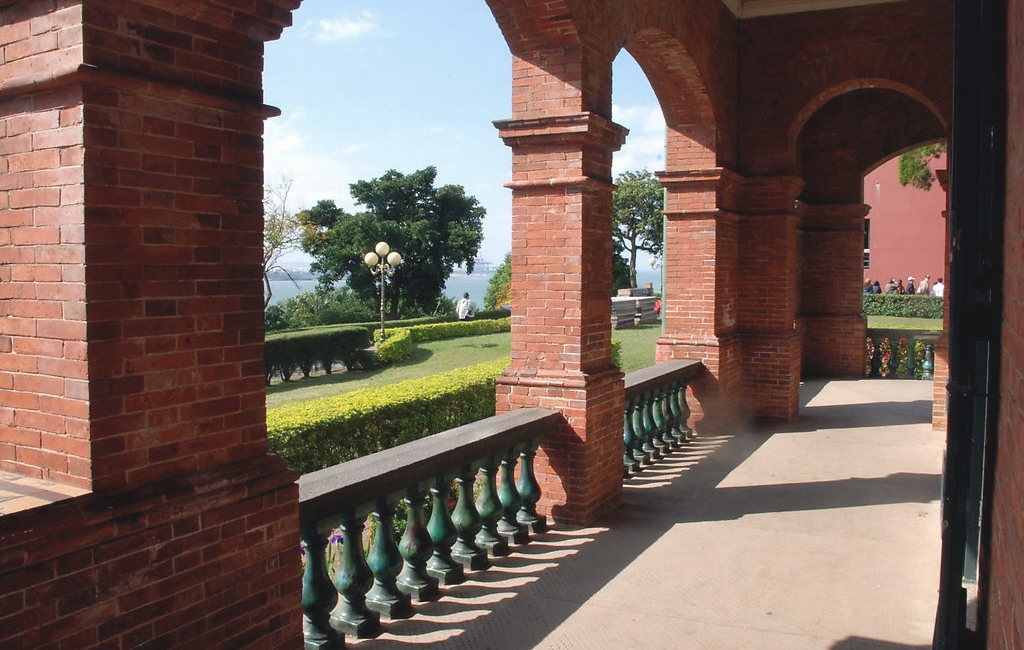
44,427
210,562
131,337
1006,564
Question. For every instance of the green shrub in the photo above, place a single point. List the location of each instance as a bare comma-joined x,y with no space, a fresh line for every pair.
398,346
438,331
320,433
617,353
303,350
902,306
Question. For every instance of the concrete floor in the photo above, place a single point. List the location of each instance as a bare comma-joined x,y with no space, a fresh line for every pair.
821,533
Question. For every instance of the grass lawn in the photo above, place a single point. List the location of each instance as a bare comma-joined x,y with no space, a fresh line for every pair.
893,322
429,358
441,356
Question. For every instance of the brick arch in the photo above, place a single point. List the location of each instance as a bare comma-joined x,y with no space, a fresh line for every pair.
683,96
792,65
815,105
854,130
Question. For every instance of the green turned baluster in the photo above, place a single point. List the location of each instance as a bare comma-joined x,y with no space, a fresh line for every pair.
684,409
662,436
529,492
647,422
318,594
630,465
508,495
489,507
443,535
352,581
636,414
929,361
386,562
416,548
671,434
672,400
467,525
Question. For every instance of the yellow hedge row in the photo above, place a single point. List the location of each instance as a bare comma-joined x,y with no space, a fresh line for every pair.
319,433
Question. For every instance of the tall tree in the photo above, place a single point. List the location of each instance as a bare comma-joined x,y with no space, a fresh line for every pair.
434,229
499,287
636,212
281,232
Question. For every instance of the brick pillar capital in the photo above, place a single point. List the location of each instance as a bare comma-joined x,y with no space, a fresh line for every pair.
711,188
770,194
837,217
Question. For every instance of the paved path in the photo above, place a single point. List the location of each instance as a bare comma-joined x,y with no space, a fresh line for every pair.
823,533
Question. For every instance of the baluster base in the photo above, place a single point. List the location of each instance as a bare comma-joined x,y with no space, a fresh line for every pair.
390,605
495,547
421,591
449,575
336,644
534,524
316,640
361,626
513,534
472,560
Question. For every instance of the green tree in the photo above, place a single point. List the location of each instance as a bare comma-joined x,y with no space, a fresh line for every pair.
499,287
914,169
281,233
434,230
636,212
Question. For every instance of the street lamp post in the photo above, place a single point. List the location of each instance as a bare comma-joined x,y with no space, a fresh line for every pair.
382,261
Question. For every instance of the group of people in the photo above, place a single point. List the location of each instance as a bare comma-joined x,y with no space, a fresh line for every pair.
896,286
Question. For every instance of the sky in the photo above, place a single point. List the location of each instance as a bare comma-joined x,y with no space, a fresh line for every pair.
368,86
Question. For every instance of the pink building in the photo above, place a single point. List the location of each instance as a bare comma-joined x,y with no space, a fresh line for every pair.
906,229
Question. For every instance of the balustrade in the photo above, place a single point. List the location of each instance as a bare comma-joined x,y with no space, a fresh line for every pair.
656,414
432,551
900,354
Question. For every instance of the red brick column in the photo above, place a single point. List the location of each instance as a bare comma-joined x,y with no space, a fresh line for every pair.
831,289
561,315
700,306
768,287
132,329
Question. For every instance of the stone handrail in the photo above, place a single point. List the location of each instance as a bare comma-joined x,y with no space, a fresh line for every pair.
334,503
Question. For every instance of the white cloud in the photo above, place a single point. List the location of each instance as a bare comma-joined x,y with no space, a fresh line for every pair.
338,29
645,144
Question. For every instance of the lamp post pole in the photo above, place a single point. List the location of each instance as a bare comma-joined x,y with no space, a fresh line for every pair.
382,261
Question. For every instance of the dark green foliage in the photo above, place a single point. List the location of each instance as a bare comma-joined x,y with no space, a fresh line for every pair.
316,308
902,306
304,350
914,169
433,229
499,287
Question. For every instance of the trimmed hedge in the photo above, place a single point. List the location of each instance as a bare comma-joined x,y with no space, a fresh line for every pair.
903,306
439,331
304,350
319,433
398,346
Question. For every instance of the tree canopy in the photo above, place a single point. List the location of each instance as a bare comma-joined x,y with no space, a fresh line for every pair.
281,230
499,287
433,229
636,212
914,169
